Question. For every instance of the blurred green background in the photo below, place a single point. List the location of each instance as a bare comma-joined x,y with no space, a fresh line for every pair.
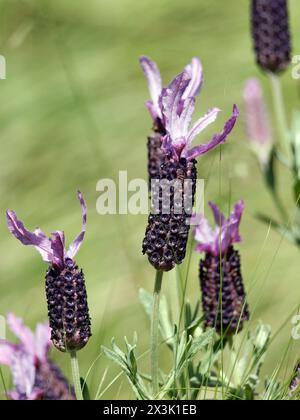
72,112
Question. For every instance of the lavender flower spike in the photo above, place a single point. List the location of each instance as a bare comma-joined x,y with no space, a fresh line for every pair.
257,121
65,286
35,377
223,294
168,228
270,32
152,73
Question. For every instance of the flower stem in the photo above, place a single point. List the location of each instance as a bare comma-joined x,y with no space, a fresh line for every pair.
280,113
76,375
154,332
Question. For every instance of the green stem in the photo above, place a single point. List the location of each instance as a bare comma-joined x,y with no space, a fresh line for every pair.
233,362
280,112
154,332
76,375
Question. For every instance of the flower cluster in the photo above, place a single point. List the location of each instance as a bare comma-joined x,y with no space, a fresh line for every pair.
270,32
223,294
65,286
167,231
35,376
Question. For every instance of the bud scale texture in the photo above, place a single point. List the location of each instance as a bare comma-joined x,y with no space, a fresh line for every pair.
233,313
67,307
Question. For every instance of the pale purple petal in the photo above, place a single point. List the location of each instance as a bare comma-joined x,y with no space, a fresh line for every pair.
6,352
235,220
226,233
171,103
24,334
152,74
203,233
23,372
152,110
167,144
42,341
75,245
36,238
219,217
181,124
58,248
202,123
258,121
257,118
36,394
194,70
185,118
217,138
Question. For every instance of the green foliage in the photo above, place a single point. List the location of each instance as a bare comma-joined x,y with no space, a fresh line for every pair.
198,361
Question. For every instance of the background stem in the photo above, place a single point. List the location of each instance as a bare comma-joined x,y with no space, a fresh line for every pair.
154,332
76,375
280,113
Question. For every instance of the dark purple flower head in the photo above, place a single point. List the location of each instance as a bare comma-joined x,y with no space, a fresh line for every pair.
152,73
271,34
65,284
34,376
51,249
217,241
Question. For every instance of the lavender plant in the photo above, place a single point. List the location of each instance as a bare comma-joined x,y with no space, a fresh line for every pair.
35,376
168,227
65,287
223,295
175,167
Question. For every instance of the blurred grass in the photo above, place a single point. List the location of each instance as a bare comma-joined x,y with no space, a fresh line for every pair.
72,112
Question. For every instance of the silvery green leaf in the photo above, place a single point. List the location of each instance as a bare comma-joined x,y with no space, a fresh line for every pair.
198,343
127,362
262,337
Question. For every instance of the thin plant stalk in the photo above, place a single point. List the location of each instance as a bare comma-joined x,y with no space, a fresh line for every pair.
154,332
280,113
76,376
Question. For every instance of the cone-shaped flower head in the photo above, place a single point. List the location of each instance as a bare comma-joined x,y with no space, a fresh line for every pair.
223,294
168,227
257,121
270,32
34,376
65,286
152,73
